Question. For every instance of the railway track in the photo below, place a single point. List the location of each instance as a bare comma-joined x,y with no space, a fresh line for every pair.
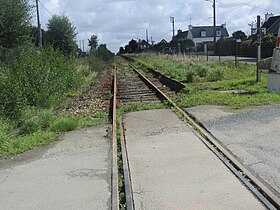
133,89
130,86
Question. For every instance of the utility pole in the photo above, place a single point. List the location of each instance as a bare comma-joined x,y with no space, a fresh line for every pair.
172,20
258,78
83,45
147,36
39,25
214,20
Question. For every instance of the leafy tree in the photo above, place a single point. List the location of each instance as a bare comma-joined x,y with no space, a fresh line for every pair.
61,34
14,22
132,46
121,51
34,35
93,42
239,35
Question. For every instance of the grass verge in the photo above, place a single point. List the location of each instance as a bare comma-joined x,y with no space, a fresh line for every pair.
213,82
40,127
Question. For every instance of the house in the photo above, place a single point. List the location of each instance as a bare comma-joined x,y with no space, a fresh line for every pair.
143,44
271,25
202,34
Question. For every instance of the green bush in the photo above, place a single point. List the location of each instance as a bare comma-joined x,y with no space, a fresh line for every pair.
215,74
36,78
201,70
64,124
189,76
95,63
33,120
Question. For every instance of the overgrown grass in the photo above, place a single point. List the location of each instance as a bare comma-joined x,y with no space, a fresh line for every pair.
215,83
38,127
36,78
33,82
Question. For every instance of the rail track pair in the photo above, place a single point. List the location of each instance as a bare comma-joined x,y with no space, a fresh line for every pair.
130,87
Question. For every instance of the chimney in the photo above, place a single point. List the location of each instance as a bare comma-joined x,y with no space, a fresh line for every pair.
190,27
179,31
224,25
268,15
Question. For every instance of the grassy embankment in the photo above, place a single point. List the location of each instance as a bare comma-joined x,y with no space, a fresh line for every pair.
33,84
214,83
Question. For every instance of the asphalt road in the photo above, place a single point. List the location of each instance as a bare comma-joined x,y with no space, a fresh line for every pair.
73,173
172,169
253,136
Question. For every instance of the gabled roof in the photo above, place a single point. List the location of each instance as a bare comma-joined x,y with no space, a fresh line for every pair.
163,41
181,35
272,25
196,31
143,42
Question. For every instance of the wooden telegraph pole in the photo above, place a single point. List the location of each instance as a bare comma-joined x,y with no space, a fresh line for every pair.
39,25
259,30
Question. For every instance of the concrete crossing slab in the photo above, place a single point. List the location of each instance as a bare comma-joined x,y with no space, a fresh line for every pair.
74,173
172,169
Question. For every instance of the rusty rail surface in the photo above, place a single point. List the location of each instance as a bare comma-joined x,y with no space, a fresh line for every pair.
115,188
263,193
173,84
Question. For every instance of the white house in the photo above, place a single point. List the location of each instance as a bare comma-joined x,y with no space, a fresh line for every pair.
202,34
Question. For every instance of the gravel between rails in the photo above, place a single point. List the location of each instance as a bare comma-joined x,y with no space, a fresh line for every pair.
93,98
251,135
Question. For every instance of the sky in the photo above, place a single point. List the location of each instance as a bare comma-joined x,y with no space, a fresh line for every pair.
116,22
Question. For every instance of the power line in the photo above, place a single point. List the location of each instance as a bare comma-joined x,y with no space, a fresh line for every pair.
235,8
204,20
46,8
248,4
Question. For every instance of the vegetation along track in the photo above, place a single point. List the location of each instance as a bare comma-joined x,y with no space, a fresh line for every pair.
270,200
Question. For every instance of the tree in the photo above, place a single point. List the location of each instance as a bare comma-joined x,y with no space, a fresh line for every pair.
61,34
121,51
93,42
14,23
239,35
105,54
132,46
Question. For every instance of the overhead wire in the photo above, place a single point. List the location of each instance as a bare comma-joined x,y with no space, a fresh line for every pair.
46,8
263,9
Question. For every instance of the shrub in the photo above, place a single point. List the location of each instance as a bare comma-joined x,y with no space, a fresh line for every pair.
189,76
64,124
36,78
95,63
33,120
215,74
201,70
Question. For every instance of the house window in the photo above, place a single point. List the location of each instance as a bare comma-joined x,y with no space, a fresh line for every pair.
218,33
203,33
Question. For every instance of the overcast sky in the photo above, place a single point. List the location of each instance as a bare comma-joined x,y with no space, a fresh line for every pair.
115,22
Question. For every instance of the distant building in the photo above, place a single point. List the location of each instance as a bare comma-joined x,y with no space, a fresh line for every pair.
143,44
202,34
271,24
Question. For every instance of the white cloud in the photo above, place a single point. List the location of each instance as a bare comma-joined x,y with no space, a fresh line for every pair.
117,21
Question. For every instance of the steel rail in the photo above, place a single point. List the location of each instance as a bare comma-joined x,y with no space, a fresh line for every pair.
263,193
114,174
126,172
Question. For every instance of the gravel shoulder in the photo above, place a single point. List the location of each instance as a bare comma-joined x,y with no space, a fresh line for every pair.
251,135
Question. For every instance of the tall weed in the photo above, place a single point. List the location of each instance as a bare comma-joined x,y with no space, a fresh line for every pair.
33,77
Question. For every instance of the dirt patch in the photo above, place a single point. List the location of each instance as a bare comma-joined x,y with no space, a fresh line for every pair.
93,98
